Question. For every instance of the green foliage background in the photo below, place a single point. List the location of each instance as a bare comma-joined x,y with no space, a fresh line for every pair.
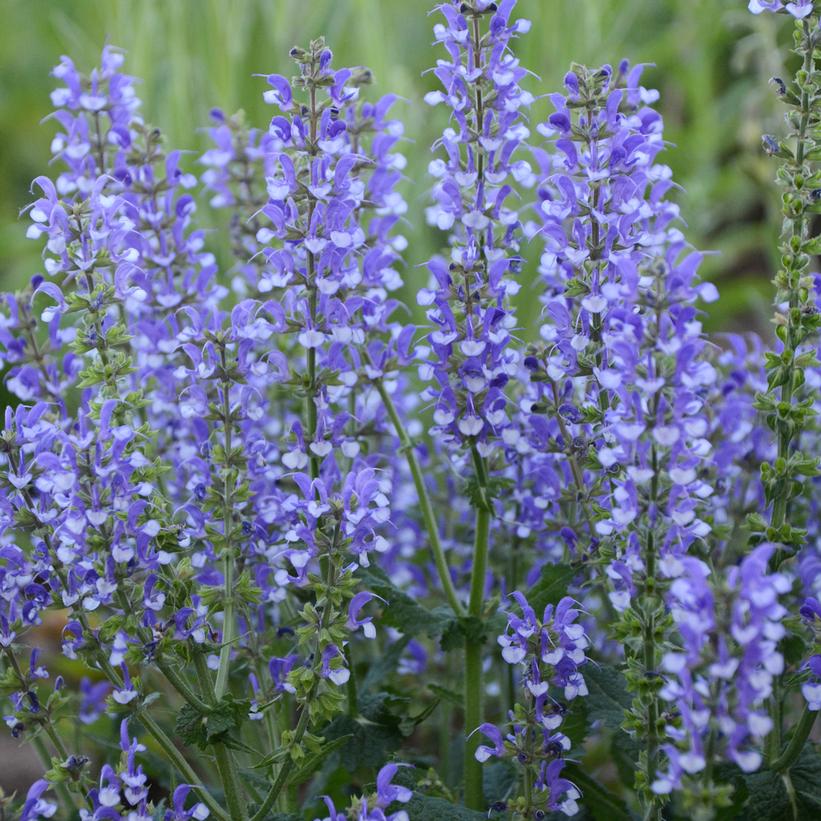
712,61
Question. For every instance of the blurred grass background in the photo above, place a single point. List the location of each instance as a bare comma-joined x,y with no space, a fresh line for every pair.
712,60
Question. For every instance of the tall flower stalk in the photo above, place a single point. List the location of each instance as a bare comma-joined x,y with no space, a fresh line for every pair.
790,400
468,356
624,351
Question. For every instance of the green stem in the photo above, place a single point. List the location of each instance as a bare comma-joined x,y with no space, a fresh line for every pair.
353,707
182,765
285,769
305,713
799,739
230,781
428,515
474,795
312,301
226,766
66,799
181,686
785,428
528,791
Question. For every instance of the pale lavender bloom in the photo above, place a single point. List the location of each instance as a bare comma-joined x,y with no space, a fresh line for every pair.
798,9
719,683
373,807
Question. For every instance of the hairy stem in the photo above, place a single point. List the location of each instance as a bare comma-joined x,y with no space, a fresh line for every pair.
799,738
474,796
226,766
425,505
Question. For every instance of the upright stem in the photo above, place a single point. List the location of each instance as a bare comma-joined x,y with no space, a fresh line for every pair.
428,515
474,795
784,428
285,769
225,761
799,738
353,707
69,803
182,765
305,714
794,261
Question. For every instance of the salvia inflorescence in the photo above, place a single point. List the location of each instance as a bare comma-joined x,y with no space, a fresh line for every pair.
271,551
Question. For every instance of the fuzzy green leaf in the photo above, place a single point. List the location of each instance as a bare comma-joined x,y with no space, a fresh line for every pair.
403,612
551,586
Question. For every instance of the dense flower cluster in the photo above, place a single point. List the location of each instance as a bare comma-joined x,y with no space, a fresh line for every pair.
549,652
620,299
222,500
718,684
468,357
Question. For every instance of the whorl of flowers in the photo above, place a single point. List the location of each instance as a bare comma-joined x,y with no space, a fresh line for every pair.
374,807
329,262
119,794
548,653
718,683
810,611
740,440
467,356
798,9
118,229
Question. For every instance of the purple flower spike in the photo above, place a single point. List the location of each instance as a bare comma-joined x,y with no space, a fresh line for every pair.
467,356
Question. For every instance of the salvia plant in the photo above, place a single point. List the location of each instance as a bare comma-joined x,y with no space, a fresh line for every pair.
268,550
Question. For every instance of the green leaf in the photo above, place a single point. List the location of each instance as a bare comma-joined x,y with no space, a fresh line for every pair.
461,630
598,799
451,696
770,794
403,612
425,808
409,723
727,773
386,663
576,722
226,716
201,729
497,780
312,764
608,697
372,736
190,727
367,744
551,587
606,704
